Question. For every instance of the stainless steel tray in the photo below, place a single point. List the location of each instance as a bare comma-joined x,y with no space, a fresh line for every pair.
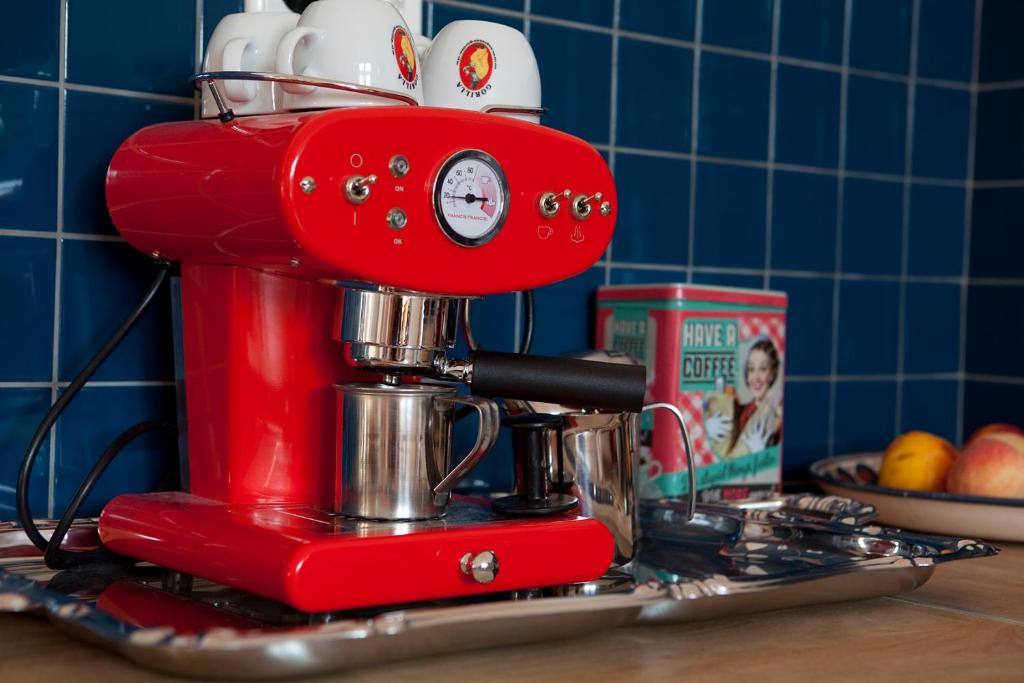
731,559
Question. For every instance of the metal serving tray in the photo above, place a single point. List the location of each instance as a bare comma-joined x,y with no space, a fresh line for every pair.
730,559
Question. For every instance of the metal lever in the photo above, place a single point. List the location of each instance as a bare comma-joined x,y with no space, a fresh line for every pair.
357,188
549,203
581,206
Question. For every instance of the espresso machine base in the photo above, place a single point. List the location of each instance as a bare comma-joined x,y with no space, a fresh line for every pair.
316,560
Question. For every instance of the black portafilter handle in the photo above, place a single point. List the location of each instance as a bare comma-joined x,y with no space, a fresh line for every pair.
566,381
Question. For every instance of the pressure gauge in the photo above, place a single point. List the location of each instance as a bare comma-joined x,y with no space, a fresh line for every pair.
471,198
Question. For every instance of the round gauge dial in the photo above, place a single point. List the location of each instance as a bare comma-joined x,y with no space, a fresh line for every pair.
471,198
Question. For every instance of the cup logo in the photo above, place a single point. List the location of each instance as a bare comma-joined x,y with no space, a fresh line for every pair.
405,55
476,64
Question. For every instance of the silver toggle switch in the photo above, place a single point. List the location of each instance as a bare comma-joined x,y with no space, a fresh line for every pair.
549,203
357,188
482,566
581,206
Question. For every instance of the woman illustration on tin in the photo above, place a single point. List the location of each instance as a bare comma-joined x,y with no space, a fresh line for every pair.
736,429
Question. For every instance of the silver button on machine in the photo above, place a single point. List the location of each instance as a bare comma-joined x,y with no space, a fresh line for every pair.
396,219
482,566
399,166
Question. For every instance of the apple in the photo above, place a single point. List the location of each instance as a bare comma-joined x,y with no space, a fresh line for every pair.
994,428
991,465
918,461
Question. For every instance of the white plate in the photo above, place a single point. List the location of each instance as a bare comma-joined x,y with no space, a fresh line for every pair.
941,513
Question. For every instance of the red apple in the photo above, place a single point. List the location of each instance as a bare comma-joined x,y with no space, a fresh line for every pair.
991,465
994,428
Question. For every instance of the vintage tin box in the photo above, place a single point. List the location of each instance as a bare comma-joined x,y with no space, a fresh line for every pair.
718,354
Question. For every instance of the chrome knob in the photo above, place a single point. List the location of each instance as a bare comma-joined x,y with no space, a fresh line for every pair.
396,219
581,206
357,188
482,566
549,205
399,166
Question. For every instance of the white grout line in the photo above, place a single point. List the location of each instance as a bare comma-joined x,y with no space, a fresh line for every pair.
965,266
994,379
613,109
430,20
26,385
908,163
910,376
844,85
769,183
998,184
62,56
97,89
698,41
51,234
998,85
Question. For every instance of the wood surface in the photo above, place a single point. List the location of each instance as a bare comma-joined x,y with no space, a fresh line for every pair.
965,624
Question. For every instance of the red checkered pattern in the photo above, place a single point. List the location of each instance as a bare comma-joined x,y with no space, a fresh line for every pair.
692,408
774,327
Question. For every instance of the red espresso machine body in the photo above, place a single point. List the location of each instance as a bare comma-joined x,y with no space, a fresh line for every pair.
256,212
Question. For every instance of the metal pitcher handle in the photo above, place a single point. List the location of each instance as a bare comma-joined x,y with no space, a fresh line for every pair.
485,438
691,464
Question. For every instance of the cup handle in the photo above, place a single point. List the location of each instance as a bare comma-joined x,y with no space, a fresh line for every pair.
286,57
691,465
231,60
485,438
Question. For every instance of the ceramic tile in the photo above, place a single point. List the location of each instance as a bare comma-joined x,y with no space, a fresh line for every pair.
637,276
1000,40
96,127
26,308
654,104
876,125
808,324
807,119
804,222
930,406
872,227
729,218
880,35
112,44
999,129
729,280
945,41
743,24
20,412
941,131
805,426
936,240
652,186
580,104
671,20
28,157
868,326
733,107
30,44
493,320
445,14
865,416
932,328
994,330
213,12
812,29
96,417
101,283
997,240
598,12
564,314
988,402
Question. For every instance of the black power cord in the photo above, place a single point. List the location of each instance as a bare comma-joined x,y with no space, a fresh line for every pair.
55,411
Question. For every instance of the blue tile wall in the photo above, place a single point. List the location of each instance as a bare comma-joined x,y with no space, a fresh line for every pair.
21,409
991,401
775,184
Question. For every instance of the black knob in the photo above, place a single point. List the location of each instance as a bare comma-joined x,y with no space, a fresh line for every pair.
531,444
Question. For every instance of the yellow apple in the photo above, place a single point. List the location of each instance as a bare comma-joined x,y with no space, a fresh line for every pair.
918,461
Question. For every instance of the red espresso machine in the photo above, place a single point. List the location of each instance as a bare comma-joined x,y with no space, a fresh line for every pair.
319,250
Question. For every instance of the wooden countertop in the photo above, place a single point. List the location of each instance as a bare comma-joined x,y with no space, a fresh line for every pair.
965,624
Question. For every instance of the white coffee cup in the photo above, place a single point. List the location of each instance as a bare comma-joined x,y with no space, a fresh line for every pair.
480,64
358,42
246,42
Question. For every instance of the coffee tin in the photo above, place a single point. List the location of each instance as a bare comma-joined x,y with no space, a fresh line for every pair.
718,354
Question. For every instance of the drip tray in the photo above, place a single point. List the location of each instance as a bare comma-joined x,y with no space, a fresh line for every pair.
730,559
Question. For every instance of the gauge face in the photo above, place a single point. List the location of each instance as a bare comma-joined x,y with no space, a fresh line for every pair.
471,198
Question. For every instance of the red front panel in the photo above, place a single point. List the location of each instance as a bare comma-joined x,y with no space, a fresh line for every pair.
299,556
260,366
231,193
